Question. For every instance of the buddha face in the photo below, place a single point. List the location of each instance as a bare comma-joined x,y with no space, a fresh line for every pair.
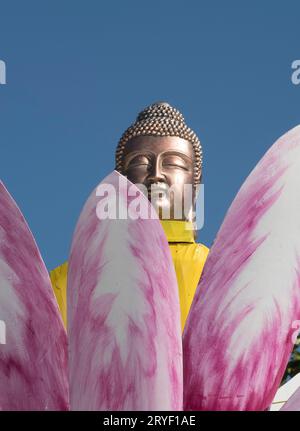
165,166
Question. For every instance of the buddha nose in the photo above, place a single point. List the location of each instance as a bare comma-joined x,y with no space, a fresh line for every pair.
156,175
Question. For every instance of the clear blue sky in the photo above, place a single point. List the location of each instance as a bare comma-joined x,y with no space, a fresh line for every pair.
79,71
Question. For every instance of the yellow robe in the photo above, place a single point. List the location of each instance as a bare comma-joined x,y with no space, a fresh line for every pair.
188,258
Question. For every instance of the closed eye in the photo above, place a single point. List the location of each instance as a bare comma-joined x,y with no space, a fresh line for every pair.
175,165
176,161
138,161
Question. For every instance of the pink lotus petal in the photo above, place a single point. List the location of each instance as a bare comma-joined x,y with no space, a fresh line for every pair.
33,344
125,347
238,335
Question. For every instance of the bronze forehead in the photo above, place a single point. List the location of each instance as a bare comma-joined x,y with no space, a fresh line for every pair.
157,145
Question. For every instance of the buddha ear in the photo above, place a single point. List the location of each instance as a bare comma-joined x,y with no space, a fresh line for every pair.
197,186
200,180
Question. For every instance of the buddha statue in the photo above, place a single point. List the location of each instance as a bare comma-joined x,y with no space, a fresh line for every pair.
159,152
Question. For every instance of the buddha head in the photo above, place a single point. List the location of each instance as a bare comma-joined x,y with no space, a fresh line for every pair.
159,152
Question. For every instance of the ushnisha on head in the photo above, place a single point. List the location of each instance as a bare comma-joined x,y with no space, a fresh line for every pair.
160,152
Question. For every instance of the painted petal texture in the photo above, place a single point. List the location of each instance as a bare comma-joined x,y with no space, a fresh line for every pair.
125,347
239,333
33,342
